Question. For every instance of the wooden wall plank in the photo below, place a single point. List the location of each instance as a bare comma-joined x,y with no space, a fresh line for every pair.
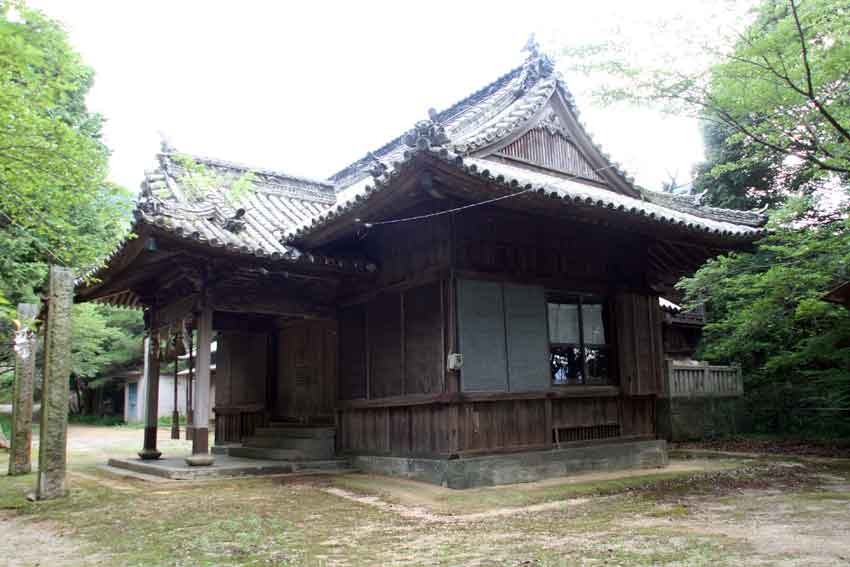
352,353
386,370
423,340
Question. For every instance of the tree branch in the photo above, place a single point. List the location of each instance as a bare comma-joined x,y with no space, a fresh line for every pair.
808,70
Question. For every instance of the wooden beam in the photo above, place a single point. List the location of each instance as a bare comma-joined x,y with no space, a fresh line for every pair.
175,311
151,378
266,304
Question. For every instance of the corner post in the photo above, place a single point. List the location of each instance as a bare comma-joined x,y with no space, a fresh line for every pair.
175,413
52,457
26,342
200,440
149,450
190,412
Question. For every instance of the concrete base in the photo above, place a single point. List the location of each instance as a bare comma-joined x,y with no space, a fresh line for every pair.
225,467
519,467
149,454
200,460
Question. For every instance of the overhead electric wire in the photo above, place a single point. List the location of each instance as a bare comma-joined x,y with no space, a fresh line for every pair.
469,206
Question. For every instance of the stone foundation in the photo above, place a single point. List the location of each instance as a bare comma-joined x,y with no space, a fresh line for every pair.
691,419
512,468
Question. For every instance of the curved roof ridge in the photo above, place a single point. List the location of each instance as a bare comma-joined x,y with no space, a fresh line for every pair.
217,162
442,117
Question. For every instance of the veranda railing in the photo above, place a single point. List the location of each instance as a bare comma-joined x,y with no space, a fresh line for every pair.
700,379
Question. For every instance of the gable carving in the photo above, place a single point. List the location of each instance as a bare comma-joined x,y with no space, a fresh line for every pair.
548,145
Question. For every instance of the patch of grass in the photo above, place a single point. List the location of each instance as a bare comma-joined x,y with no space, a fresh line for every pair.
6,425
102,420
167,420
644,518
14,490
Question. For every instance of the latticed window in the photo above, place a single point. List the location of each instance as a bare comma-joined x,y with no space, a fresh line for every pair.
578,345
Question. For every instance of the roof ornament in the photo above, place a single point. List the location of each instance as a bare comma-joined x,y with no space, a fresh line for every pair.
532,46
553,125
538,65
376,167
427,133
236,222
165,145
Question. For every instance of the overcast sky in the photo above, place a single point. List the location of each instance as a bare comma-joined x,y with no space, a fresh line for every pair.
308,87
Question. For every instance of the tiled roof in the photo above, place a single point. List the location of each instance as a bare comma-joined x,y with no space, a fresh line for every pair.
282,208
251,224
514,179
488,115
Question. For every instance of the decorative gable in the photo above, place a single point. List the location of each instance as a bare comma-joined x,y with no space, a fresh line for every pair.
548,145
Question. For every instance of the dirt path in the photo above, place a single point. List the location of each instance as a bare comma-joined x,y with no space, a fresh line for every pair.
424,515
24,543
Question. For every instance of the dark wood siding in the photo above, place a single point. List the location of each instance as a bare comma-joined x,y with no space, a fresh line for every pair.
307,370
241,368
423,336
486,426
394,344
638,330
352,353
386,339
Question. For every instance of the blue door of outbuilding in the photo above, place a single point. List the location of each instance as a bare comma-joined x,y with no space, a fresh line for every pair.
132,400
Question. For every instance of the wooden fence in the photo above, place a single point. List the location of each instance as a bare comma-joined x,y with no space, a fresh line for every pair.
700,379
234,423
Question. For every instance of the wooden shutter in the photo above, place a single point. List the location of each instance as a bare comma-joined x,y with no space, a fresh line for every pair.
527,338
481,335
639,355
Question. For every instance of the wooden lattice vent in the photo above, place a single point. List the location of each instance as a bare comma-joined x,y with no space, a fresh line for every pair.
548,145
586,433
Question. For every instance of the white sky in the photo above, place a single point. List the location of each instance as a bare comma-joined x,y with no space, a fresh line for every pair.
308,87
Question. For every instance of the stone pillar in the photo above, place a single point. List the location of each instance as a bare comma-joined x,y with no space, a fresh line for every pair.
52,458
26,341
149,450
200,440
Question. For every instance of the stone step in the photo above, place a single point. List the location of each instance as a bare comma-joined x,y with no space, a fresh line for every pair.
296,431
313,448
266,454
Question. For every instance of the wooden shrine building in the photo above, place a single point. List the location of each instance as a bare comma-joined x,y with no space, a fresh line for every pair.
474,302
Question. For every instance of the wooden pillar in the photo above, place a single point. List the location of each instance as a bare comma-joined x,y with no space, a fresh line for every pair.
26,341
52,458
175,414
149,450
190,413
200,440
